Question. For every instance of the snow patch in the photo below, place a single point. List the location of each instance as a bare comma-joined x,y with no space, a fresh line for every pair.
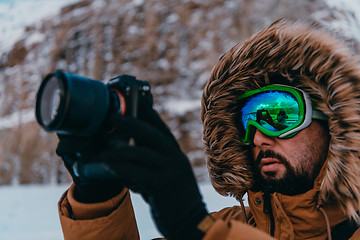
180,106
138,3
17,118
15,16
172,18
346,16
36,37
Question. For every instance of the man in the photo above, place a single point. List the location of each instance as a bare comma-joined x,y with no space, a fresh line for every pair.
301,174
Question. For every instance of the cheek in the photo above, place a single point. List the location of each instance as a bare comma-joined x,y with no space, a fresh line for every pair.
296,155
304,158
309,153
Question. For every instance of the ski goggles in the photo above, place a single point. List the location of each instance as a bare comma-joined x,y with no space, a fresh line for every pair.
277,111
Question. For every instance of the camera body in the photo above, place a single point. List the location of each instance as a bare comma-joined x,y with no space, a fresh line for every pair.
73,105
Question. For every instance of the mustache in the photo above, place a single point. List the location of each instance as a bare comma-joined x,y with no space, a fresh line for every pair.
270,154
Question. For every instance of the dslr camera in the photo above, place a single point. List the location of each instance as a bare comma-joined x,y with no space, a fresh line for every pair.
73,105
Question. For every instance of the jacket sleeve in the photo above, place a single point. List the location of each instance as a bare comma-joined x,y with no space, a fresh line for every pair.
113,219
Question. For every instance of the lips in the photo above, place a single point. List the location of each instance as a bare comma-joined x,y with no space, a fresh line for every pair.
269,164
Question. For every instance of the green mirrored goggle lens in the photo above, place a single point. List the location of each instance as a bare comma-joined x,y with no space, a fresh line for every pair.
273,110
277,111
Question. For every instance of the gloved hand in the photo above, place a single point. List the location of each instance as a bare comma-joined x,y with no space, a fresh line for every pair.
157,169
74,149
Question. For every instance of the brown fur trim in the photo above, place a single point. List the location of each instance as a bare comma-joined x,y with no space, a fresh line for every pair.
297,53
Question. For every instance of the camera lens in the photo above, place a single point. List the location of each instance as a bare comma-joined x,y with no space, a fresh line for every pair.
50,101
70,104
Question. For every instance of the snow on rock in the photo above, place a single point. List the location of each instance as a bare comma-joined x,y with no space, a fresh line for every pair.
15,16
342,16
17,118
181,106
36,37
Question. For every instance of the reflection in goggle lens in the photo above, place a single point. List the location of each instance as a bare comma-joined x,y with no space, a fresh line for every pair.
273,110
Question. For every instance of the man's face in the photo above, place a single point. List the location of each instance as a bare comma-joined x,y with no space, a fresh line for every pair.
289,166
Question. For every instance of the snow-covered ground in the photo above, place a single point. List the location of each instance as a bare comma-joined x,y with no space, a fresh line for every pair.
30,212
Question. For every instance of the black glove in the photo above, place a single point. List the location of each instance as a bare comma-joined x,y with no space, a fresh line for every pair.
73,150
158,170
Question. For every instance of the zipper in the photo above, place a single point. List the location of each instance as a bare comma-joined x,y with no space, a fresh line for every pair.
267,209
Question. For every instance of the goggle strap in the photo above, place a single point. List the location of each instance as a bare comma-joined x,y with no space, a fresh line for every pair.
319,115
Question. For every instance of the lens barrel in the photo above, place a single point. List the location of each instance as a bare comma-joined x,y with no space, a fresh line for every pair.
71,104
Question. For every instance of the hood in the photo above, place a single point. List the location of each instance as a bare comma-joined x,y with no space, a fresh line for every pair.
301,54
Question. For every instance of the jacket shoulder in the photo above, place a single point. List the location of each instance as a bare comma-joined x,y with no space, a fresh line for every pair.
234,213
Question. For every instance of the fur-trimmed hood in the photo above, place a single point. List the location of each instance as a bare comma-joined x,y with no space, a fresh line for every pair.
306,56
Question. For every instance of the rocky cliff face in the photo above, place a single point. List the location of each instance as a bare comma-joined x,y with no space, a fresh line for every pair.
171,44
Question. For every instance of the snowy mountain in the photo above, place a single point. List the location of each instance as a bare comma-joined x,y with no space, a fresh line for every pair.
171,44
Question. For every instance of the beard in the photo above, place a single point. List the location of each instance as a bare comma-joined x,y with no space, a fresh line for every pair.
293,182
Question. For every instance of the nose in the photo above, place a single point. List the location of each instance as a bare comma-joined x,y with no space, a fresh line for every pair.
263,141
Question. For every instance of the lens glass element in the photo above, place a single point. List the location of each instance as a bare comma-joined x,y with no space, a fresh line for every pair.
50,101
